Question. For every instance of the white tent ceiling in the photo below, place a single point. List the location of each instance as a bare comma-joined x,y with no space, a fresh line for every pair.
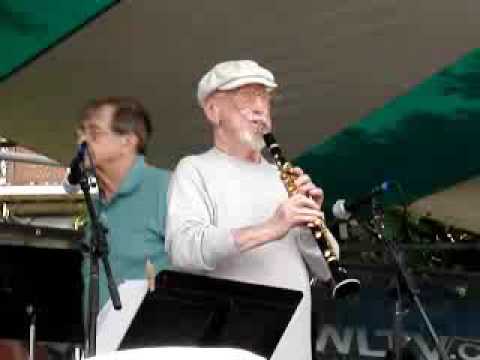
458,206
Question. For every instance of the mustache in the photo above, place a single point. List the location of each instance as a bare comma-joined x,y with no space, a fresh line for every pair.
262,128
261,120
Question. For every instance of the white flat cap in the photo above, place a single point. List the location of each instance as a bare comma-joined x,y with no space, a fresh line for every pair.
230,75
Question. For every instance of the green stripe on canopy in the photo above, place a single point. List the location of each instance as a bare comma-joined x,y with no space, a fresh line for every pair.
29,27
427,139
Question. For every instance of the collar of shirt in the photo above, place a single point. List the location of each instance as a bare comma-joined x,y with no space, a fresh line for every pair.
132,180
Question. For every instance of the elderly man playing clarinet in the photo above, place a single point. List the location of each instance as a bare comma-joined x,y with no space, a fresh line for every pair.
229,214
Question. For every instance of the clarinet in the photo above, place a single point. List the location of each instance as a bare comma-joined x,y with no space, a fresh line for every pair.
340,284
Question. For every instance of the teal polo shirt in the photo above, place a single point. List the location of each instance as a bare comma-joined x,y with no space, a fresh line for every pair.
135,219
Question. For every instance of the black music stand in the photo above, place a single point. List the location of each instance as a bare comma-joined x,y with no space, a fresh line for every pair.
41,295
193,310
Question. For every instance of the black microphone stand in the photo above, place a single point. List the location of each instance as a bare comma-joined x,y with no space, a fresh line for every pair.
98,249
404,287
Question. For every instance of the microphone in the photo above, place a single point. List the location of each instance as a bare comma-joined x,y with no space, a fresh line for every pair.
343,209
74,172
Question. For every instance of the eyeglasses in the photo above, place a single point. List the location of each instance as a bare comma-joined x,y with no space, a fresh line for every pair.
244,97
92,133
245,100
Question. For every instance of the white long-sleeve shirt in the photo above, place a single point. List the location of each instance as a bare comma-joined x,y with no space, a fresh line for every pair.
212,193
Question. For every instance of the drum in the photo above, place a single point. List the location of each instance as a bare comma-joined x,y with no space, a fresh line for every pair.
180,353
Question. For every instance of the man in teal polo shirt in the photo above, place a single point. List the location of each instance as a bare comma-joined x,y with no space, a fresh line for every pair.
132,199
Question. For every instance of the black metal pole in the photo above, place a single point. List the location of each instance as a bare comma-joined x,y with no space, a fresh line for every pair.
404,283
98,248
93,289
32,331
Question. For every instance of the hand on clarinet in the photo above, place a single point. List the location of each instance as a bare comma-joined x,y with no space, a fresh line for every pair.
297,210
306,187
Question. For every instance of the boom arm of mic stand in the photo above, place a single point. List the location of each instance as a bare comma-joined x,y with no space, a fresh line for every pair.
403,277
98,248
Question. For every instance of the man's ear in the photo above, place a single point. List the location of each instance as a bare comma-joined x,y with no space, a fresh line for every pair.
130,140
211,111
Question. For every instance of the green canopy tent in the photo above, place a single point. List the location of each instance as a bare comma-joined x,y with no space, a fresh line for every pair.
29,28
427,140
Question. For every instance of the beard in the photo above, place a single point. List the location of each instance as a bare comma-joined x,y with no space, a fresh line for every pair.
255,141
